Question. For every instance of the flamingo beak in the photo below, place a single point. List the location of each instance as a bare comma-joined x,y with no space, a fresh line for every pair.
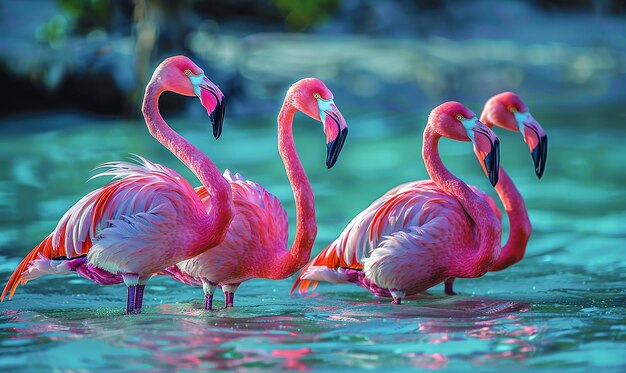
217,118
536,139
213,101
335,128
487,148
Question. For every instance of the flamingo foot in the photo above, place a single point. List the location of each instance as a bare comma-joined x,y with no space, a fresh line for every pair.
130,298
448,287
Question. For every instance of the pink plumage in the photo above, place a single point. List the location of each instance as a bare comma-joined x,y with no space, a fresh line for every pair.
256,243
507,110
422,233
148,217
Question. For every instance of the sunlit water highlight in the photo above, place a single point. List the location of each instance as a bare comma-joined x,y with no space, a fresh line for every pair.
562,307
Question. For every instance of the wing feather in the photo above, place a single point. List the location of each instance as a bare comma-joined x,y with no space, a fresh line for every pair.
403,209
117,210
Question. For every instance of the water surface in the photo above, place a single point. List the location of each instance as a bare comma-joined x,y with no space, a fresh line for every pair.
561,308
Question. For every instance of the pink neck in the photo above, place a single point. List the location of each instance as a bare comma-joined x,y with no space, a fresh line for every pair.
486,223
519,223
218,219
306,226
520,228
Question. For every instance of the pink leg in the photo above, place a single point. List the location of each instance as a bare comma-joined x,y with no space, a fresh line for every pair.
396,300
229,299
209,289
139,298
130,299
226,297
448,286
229,294
208,301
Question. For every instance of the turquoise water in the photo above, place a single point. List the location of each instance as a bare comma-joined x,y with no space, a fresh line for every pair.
561,308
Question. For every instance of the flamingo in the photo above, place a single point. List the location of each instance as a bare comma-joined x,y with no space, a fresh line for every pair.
424,232
148,217
507,110
256,243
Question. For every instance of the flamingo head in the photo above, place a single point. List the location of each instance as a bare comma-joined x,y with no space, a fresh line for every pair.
180,75
507,110
457,122
311,97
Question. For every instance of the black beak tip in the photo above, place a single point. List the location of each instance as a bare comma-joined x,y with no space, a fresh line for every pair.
334,147
217,119
331,153
493,179
492,163
540,155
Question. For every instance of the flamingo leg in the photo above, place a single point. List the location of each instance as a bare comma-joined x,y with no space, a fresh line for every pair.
139,298
209,290
448,286
229,294
132,282
130,298
397,296
208,301
230,299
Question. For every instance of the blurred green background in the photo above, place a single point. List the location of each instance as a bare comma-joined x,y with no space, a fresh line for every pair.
95,56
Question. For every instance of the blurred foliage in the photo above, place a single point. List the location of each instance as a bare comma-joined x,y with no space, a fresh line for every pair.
97,55
88,14
76,17
54,32
300,15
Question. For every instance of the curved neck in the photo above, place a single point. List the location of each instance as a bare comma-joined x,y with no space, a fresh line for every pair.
486,224
306,226
519,223
520,227
218,188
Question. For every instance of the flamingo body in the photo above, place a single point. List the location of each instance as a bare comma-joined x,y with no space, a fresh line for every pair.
420,233
507,110
126,227
256,245
257,234
148,217
397,241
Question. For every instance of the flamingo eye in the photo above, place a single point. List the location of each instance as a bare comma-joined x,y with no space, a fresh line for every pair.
459,117
316,96
187,72
512,109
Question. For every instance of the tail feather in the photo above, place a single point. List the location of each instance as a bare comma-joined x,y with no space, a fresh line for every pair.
326,258
44,249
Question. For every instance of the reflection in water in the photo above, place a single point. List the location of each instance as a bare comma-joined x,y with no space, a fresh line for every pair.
577,313
176,337
494,321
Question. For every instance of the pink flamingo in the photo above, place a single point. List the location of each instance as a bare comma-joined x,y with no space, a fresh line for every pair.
507,110
256,243
148,217
424,232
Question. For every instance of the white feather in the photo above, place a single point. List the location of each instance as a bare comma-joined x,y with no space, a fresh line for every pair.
321,273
